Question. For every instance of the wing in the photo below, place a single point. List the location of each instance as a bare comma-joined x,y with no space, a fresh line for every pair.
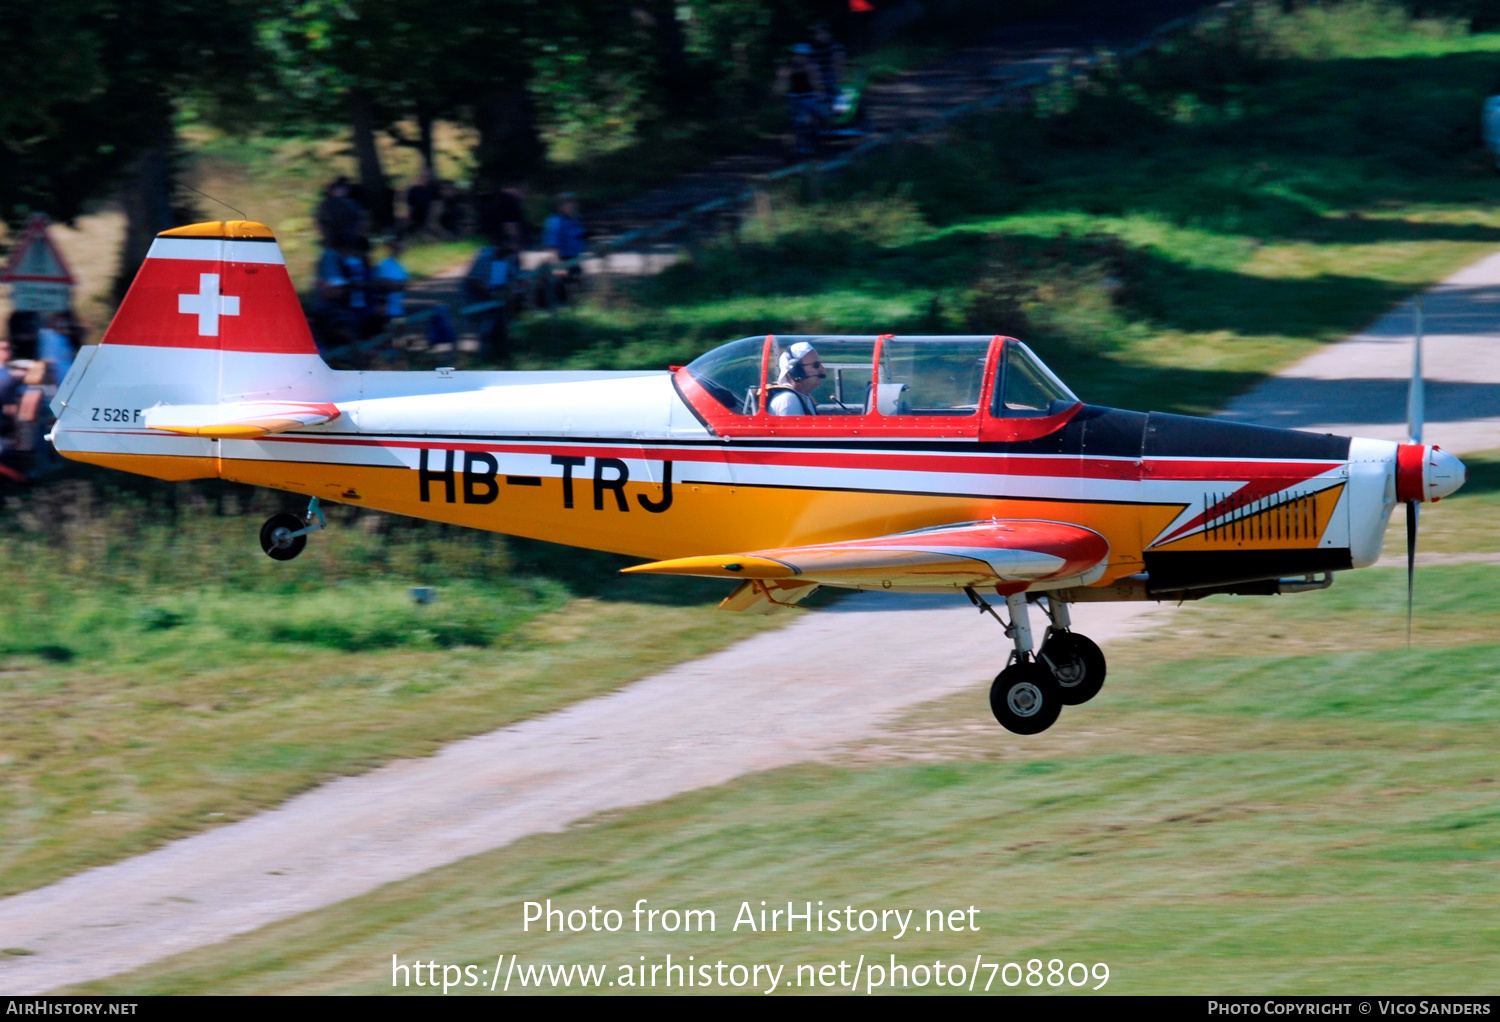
242,420
954,556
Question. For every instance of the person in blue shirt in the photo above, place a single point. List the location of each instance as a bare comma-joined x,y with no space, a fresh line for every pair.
564,233
391,278
566,236
342,310
55,347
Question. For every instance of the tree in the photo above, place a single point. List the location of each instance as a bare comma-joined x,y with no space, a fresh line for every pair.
90,89
381,61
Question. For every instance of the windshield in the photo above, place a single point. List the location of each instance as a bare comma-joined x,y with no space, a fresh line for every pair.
731,373
1027,387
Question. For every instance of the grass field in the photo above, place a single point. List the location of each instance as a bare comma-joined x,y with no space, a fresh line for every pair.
160,675
1270,795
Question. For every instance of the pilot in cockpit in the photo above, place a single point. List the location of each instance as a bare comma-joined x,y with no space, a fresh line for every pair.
800,374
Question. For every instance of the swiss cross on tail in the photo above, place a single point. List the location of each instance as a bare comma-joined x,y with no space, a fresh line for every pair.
208,305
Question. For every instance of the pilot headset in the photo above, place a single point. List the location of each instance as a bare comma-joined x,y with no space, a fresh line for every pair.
790,362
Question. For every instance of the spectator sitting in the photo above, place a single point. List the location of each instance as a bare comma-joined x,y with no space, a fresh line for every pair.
357,272
341,305
566,238
390,280
10,407
490,272
502,217
73,329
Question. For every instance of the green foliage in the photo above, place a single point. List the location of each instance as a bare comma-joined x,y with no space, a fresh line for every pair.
96,82
1162,231
97,572
1356,28
88,84
93,531
219,627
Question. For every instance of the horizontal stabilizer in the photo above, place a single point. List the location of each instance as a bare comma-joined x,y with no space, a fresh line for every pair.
973,554
242,420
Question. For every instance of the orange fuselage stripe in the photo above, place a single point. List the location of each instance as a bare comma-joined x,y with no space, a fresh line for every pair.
703,519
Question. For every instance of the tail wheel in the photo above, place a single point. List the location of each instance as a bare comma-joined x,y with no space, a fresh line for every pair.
1025,698
276,537
1077,665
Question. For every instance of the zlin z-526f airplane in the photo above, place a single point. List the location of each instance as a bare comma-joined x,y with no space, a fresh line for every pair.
909,464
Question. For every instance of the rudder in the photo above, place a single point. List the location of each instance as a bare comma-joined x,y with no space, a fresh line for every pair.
220,285
211,318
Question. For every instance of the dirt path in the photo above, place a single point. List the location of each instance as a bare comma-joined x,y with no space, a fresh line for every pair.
782,697
1359,386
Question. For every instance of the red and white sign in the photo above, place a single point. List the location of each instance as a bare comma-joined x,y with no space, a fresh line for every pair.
37,272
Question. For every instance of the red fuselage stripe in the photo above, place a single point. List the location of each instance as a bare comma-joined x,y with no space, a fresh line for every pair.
1062,467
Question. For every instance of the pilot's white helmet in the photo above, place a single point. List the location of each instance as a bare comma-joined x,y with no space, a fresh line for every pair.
789,359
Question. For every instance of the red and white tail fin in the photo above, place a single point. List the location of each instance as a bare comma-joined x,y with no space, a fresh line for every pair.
211,324
218,286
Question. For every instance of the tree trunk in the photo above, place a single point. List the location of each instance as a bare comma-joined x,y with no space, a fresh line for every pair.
375,193
424,141
509,147
148,197
671,55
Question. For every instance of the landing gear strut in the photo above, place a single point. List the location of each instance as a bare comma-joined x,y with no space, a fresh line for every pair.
1076,661
1031,691
284,536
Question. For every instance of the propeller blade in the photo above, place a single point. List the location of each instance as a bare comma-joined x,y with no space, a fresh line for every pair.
1416,398
1412,514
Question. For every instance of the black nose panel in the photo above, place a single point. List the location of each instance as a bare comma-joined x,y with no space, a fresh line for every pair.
1184,436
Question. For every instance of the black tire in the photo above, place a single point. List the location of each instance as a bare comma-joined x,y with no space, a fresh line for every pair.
1025,698
282,547
1077,665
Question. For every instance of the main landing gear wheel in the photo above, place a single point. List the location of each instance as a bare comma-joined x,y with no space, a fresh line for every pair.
1026,698
1077,664
276,537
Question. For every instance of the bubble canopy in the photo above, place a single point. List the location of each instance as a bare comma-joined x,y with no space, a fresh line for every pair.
917,377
